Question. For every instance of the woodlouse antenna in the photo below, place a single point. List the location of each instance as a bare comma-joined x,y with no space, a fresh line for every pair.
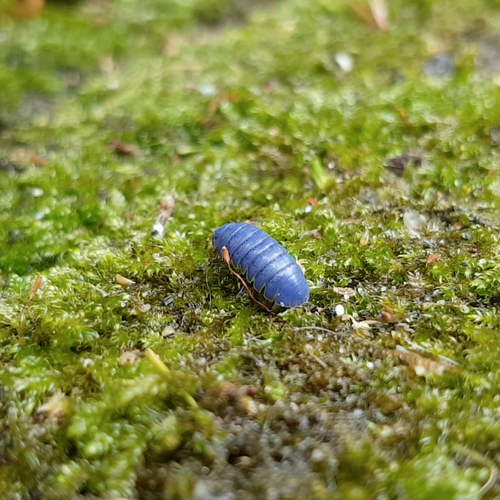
227,259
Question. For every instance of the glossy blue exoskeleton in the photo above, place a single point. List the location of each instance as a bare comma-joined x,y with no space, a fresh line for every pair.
264,262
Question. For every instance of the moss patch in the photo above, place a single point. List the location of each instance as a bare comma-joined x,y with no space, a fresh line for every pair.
371,155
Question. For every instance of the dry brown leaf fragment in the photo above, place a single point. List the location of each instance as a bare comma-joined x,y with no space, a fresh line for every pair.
36,286
432,258
122,148
313,233
216,101
391,317
365,325
398,164
422,365
28,8
168,331
128,357
55,409
225,395
38,161
24,158
374,14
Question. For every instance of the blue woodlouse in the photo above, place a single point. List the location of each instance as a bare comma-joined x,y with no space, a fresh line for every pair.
264,262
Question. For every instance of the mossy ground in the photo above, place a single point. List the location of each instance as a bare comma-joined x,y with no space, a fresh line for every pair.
248,115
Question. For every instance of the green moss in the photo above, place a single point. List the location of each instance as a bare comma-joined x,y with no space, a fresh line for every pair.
256,120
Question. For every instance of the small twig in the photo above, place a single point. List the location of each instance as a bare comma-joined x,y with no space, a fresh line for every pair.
187,67
364,325
482,221
319,361
208,288
319,328
36,286
165,210
482,460
423,349
227,260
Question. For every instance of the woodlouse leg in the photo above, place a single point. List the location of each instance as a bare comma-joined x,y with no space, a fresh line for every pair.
227,260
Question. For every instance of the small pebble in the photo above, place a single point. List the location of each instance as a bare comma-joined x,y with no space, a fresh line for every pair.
344,61
122,281
86,362
207,89
128,358
414,221
339,310
158,230
440,67
317,455
168,331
